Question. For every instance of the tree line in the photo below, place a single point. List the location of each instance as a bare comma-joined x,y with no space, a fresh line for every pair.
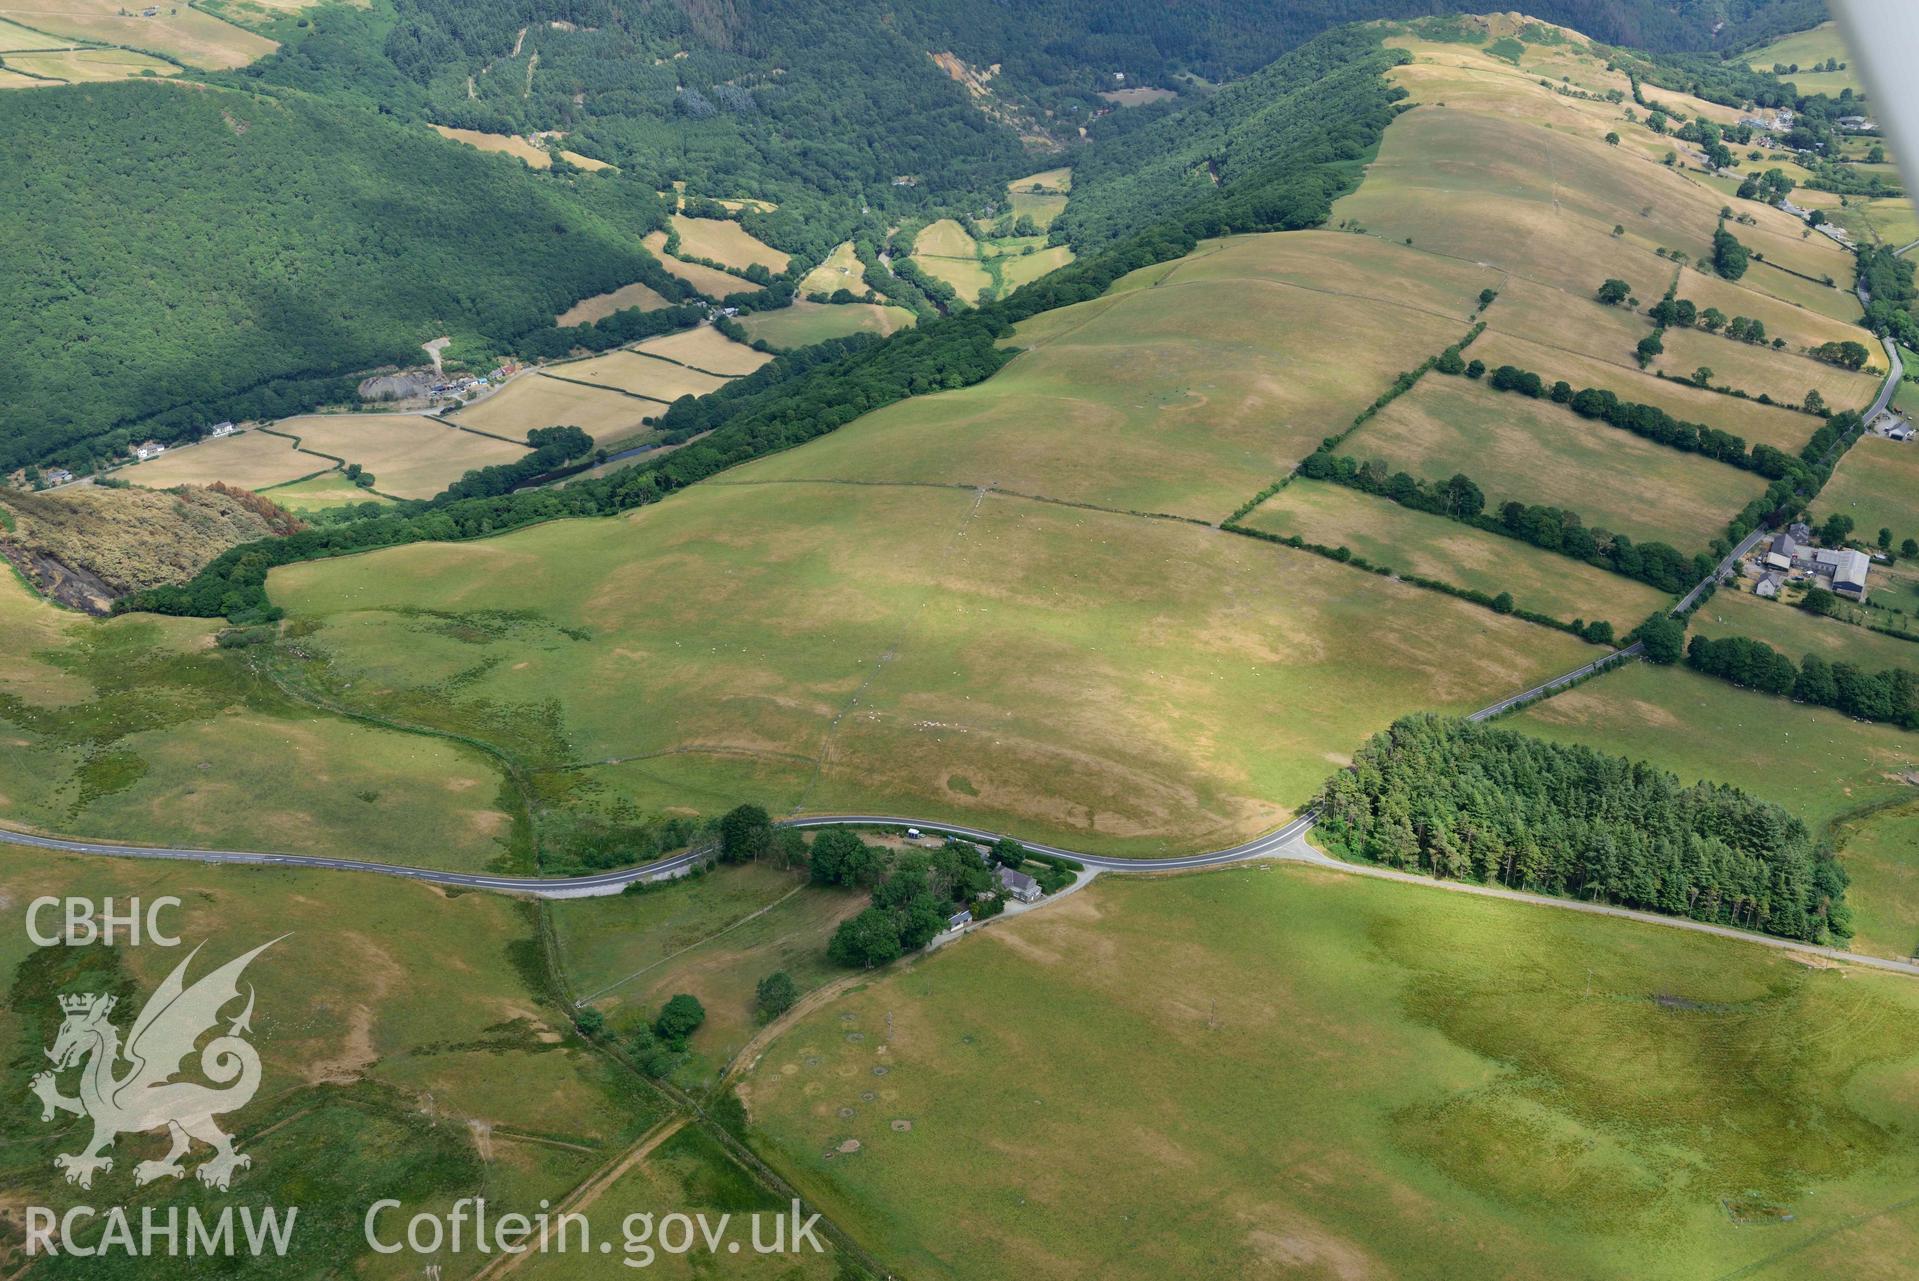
1465,801
1890,696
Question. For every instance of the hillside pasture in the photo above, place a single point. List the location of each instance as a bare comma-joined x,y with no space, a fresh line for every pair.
1023,269
710,282
1796,633
1538,452
1408,541
805,323
506,144
410,455
1805,49
1201,381
196,38
249,459
1400,1082
706,349
329,489
924,649
1760,424
1785,376
725,241
1877,484
658,380
841,269
407,1044
600,306
947,251
534,400
138,729
90,66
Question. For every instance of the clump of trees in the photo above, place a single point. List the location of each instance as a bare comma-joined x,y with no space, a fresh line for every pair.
913,895
1890,696
1474,802
1847,354
1729,256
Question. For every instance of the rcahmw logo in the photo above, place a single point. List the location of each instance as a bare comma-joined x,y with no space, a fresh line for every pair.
130,1088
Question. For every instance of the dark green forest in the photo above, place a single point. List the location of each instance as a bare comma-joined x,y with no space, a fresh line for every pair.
174,257
1473,802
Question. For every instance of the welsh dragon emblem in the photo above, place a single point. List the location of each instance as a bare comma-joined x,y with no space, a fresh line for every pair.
129,1089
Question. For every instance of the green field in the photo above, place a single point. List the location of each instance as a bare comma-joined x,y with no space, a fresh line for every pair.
805,323
1796,633
1201,381
328,489
1414,542
409,1048
1339,1077
1136,685
138,729
1534,451
1810,49
714,936
1877,484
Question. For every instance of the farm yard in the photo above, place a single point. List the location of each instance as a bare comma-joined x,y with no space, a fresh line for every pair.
1414,542
1436,1110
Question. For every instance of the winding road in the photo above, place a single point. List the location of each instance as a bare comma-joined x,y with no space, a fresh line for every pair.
1286,843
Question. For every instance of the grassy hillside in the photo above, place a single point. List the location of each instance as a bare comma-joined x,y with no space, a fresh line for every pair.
1346,1078
175,256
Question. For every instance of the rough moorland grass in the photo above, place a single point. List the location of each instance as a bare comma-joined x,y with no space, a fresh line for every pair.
251,460
1796,633
725,241
410,455
534,400
805,323
408,1043
1413,542
1534,451
715,937
1356,1078
1187,390
1877,484
1134,685
136,729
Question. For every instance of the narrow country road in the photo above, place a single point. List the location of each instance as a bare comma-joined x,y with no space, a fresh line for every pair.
1287,843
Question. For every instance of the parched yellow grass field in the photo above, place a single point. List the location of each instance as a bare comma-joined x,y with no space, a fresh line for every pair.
410,455
1140,685
1785,376
534,400
506,144
1187,389
251,460
1433,547
805,323
714,284
91,66
600,306
705,348
1058,180
841,270
724,240
1024,269
947,252
1782,428
195,38
1538,452
641,375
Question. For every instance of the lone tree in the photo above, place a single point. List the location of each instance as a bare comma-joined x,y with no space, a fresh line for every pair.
746,833
775,995
1612,140
679,1018
1614,292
